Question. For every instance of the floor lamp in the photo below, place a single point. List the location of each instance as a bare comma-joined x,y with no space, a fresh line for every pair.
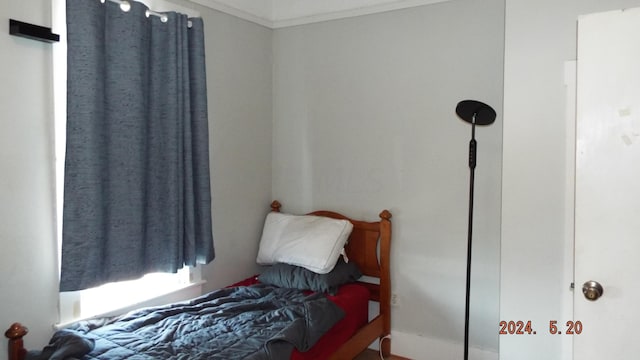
475,113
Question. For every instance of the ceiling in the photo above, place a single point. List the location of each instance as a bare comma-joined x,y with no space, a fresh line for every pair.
283,13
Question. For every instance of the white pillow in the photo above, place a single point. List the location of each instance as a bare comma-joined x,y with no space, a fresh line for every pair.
313,242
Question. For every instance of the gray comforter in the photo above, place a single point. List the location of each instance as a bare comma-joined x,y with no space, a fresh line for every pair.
254,322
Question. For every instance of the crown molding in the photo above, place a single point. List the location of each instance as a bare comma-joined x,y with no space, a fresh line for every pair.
239,13
313,17
354,12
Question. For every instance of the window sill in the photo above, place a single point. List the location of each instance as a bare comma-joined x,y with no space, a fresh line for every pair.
180,293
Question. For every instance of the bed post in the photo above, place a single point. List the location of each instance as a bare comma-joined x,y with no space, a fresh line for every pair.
275,206
385,280
16,345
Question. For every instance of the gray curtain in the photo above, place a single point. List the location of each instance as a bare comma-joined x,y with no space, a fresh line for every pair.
136,193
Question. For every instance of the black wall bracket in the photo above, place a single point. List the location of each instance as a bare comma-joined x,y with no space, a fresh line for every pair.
33,32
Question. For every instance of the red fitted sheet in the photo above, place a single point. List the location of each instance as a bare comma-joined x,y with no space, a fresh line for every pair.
354,300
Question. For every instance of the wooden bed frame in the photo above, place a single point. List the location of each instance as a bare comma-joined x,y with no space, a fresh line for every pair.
363,249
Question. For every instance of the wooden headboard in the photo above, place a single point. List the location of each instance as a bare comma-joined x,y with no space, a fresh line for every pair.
369,246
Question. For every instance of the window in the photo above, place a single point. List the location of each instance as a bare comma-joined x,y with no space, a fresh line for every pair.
114,296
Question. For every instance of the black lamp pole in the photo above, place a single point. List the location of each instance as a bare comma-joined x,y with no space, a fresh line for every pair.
475,113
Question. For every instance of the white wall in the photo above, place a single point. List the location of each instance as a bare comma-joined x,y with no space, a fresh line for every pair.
364,119
28,284
536,219
239,88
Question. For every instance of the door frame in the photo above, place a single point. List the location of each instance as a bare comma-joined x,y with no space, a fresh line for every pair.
568,273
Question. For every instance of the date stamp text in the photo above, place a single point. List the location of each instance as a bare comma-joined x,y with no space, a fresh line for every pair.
520,327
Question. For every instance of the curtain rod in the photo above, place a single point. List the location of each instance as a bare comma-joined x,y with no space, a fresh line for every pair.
125,5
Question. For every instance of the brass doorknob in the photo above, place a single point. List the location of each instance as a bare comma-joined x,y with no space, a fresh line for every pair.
592,290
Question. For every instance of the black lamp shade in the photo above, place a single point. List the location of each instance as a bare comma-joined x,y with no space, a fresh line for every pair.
477,112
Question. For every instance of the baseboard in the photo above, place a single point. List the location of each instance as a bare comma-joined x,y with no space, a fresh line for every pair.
418,347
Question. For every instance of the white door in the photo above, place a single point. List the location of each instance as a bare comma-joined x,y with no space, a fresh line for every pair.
607,208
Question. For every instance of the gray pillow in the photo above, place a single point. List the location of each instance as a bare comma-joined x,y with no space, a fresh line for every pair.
296,277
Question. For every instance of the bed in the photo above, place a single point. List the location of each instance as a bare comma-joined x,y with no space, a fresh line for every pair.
344,335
